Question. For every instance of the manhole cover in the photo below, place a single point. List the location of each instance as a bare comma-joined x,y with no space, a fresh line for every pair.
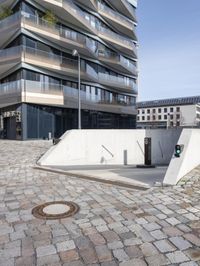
55,210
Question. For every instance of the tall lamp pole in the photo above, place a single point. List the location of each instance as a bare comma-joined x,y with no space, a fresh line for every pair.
75,53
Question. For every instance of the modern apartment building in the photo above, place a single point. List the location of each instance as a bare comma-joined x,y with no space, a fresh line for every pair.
39,75
176,112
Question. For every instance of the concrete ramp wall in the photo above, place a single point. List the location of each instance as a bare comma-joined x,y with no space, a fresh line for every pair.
110,147
189,159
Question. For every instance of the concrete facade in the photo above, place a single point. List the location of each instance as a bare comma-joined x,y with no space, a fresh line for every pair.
168,113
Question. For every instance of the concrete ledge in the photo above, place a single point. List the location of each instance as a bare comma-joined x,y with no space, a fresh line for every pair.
126,184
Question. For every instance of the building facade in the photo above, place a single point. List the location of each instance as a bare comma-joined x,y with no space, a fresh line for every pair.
167,113
39,75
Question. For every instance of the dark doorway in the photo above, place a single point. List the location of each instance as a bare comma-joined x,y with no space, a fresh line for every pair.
10,127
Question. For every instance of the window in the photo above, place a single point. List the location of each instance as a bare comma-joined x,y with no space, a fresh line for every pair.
171,117
138,111
165,117
143,118
171,109
159,110
178,124
178,116
148,117
159,117
171,124
165,110
177,109
148,111
154,117
154,111
143,111
138,118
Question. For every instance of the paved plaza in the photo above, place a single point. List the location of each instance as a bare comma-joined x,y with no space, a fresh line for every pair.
114,226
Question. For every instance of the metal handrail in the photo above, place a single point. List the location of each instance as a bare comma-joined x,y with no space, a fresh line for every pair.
107,150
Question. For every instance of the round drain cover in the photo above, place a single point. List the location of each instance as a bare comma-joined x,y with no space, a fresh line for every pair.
55,210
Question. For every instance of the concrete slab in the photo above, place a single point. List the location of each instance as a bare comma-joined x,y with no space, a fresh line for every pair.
120,174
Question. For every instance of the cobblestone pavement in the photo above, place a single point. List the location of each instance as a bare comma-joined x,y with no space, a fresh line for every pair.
114,226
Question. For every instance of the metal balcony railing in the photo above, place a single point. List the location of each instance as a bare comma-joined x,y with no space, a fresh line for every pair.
10,87
115,15
118,59
89,97
117,81
130,8
27,53
10,21
61,31
29,86
116,37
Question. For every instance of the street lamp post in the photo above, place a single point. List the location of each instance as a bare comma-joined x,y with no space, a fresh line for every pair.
75,53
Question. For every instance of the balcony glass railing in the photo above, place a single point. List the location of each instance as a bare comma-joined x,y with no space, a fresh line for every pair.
10,53
61,31
116,37
28,53
118,59
115,15
119,81
91,97
10,87
29,86
128,64
84,17
42,87
130,8
10,21
93,22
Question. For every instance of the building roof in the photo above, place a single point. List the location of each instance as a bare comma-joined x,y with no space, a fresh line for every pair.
169,102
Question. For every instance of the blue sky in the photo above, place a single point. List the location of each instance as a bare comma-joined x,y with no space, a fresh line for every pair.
169,48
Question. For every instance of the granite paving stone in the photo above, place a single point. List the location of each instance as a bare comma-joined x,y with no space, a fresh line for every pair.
114,226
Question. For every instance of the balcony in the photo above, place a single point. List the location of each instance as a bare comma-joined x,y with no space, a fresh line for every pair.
117,62
73,40
91,4
118,21
8,27
9,58
55,94
118,41
10,93
45,60
57,63
119,83
32,92
71,13
94,102
12,56
60,35
124,7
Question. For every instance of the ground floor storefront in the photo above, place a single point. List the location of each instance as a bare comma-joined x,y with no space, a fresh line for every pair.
30,121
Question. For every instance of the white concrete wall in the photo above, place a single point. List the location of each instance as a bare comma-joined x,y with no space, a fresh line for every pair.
188,115
163,143
189,159
85,147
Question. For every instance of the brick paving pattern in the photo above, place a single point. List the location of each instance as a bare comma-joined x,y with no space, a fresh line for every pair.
115,226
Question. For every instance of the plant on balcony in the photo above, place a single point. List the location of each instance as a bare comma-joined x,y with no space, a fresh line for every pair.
5,12
50,18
